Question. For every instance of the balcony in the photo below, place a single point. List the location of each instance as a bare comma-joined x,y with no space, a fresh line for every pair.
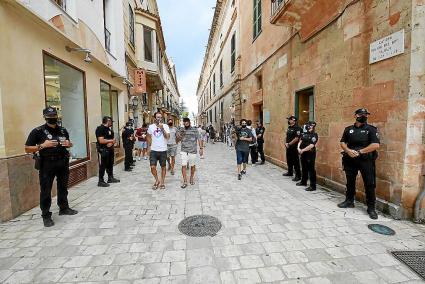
290,12
277,5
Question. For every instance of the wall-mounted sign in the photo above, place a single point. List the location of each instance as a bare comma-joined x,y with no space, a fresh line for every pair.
283,61
387,47
140,81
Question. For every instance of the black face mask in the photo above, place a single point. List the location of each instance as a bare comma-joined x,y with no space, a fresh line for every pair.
52,120
170,124
361,119
243,126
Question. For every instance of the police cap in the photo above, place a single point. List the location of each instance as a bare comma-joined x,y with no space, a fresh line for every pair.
50,111
312,123
362,111
129,123
292,117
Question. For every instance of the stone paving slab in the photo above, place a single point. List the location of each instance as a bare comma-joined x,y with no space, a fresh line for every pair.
273,232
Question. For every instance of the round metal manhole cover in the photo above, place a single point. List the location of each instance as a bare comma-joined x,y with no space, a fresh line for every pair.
200,226
381,229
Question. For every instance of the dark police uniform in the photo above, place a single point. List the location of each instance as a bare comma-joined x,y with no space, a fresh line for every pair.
358,138
128,144
54,162
308,159
260,143
106,153
292,158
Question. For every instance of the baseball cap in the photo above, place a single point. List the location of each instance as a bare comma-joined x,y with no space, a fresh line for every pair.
362,111
50,111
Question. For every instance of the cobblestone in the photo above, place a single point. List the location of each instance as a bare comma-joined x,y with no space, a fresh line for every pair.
272,231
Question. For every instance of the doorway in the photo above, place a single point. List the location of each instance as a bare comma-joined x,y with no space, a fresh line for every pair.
304,105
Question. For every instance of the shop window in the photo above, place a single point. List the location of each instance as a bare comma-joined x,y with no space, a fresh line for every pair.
257,18
64,86
304,105
148,42
109,105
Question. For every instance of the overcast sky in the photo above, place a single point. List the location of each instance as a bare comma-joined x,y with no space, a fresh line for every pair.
186,24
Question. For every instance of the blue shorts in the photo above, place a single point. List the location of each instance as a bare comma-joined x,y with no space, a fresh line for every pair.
242,157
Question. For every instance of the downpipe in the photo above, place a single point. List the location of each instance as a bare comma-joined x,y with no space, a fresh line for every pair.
416,218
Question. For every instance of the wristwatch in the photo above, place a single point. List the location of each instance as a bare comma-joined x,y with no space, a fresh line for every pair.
39,147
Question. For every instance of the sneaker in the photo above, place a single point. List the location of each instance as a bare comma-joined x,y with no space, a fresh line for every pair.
301,183
113,180
146,158
68,211
239,176
48,222
102,184
243,172
296,179
372,214
346,204
310,188
262,163
139,158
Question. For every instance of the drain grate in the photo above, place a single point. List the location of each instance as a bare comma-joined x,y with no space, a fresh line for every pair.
415,260
200,226
381,229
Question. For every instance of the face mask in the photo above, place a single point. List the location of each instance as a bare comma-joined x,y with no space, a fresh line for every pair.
187,126
243,126
52,120
361,119
170,124
158,120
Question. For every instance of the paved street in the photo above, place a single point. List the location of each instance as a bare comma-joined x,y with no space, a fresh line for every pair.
272,231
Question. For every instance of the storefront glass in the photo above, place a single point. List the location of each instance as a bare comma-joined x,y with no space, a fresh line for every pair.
109,101
64,87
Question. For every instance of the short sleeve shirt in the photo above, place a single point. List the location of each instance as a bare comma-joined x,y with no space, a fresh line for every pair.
292,133
172,140
159,143
360,137
105,132
243,145
40,134
142,132
190,139
307,139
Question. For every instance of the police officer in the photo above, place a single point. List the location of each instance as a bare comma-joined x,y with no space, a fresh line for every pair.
307,151
51,142
260,141
128,142
292,137
360,143
105,147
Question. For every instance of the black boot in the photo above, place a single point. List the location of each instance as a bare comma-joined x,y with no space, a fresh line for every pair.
287,174
296,178
68,211
346,204
310,188
128,170
101,183
48,222
113,180
301,183
372,213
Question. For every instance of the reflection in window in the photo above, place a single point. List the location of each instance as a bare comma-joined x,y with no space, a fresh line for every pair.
64,87
109,105
147,35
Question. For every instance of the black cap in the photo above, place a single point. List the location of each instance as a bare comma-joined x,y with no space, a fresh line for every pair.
362,111
292,117
106,118
129,123
312,123
50,111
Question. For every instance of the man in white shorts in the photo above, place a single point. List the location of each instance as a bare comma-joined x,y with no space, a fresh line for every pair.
189,136
172,147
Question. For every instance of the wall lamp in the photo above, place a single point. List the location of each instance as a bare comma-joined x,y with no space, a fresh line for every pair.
125,81
77,49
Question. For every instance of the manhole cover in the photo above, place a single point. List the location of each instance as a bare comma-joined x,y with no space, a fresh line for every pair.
415,260
381,229
200,226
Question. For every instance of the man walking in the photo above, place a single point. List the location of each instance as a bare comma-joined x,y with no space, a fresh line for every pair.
158,134
171,147
51,141
128,143
105,148
260,141
243,137
190,139
292,159
142,144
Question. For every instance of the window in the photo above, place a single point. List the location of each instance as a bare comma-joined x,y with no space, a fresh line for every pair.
233,53
210,90
109,106
210,115
131,24
259,78
64,87
304,105
214,84
221,73
257,18
61,3
147,35
159,57
222,110
215,113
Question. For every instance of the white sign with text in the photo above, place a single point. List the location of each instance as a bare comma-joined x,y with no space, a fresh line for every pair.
387,47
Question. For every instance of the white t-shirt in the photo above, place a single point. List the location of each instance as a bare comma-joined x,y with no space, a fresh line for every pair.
159,143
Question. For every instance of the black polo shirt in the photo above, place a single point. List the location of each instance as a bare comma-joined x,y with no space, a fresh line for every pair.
105,132
358,138
44,132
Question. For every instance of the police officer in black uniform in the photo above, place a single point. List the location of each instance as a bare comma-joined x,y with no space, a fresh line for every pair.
292,137
260,141
307,151
105,147
128,142
51,142
360,143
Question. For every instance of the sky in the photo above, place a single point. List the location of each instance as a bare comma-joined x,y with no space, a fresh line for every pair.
186,25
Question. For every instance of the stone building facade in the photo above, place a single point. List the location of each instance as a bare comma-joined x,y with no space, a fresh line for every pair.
321,60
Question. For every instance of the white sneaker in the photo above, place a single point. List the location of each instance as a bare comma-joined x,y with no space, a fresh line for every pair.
139,159
146,158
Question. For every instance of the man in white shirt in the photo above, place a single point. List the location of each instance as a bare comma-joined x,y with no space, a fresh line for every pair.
158,134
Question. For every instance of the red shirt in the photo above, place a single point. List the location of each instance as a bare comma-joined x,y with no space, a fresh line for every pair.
140,132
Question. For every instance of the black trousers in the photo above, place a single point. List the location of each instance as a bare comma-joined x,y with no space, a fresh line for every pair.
253,153
128,151
50,168
106,163
293,161
308,161
366,166
260,150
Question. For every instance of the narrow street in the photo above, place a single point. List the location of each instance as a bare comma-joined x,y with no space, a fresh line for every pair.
272,231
